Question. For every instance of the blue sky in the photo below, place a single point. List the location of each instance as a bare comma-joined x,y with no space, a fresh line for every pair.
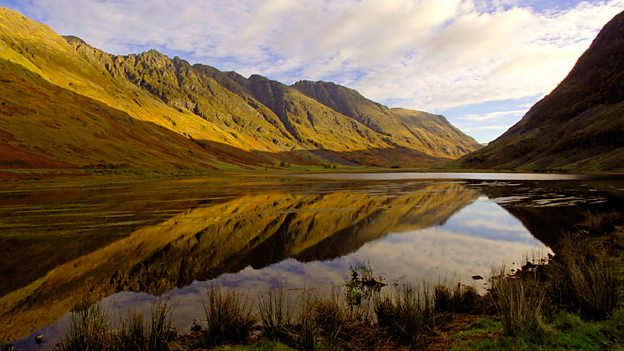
481,63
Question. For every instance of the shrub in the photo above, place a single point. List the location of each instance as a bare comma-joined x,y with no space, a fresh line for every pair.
362,291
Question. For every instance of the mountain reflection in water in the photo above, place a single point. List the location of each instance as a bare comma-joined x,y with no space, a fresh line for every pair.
254,234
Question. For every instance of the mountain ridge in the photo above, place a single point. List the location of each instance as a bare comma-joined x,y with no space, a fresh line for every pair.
235,121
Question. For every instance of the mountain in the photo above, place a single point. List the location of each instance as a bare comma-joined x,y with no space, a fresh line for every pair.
408,128
579,126
66,104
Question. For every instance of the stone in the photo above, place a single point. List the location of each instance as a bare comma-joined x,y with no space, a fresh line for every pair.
195,327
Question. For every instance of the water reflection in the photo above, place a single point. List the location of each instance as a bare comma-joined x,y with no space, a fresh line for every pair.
254,233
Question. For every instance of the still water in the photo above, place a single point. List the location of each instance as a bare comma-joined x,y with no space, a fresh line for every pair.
129,241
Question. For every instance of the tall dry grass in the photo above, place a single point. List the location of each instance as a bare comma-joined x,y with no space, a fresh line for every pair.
275,313
332,318
456,298
229,317
519,303
582,280
91,329
408,315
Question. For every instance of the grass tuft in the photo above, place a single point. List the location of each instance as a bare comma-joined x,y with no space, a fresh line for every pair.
408,315
89,328
275,314
331,317
519,302
229,317
583,282
460,298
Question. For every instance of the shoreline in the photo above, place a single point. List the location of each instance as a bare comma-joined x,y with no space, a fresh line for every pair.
16,174
457,327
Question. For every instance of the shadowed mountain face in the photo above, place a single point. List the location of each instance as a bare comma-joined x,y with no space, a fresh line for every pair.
186,116
209,239
578,126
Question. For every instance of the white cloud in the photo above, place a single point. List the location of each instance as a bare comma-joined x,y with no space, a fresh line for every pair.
491,115
424,54
486,127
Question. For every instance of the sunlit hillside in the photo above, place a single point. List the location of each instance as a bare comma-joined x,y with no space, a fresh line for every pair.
150,111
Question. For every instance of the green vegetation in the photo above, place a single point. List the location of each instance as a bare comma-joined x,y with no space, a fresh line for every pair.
260,346
582,281
572,303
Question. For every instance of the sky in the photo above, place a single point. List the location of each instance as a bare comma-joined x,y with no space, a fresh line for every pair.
481,63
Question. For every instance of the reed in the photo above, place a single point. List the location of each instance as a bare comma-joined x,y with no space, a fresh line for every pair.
519,303
229,317
89,329
582,281
408,315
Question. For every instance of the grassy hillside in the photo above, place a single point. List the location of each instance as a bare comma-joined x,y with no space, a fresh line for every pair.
578,126
35,133
431,134
230,119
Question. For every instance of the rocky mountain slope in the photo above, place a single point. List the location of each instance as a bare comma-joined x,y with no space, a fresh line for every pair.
578,126
408,128
67,104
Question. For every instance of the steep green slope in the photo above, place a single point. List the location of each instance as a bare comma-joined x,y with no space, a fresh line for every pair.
431,134
578,126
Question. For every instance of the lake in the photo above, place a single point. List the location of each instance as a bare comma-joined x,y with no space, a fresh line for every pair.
128,241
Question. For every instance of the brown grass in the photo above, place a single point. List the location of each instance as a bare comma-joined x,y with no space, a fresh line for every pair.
407,315
459,298
229,317
583,281
91,329
519,303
